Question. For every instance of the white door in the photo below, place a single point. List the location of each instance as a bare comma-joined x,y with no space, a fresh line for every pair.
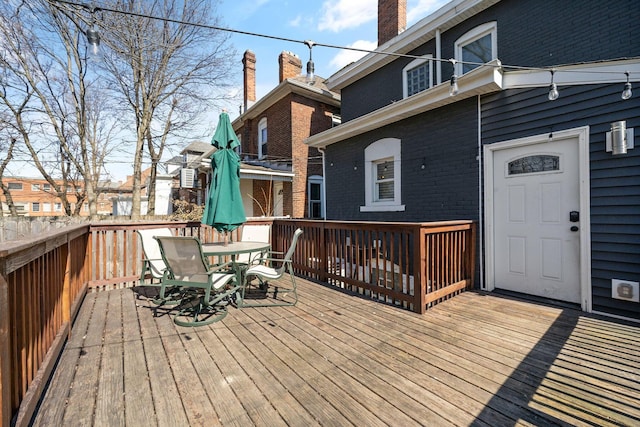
536,218
278,199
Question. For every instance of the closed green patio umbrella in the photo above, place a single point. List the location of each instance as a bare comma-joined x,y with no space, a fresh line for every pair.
224,209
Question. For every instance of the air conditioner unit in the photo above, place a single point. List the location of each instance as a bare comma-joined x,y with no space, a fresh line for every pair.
187,178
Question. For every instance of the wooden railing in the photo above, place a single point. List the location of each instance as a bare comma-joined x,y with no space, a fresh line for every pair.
42,284
43,280
412,265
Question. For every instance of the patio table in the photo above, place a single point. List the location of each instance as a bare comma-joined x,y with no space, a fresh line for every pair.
233,249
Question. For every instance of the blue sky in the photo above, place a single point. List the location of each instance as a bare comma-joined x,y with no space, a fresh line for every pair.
350,23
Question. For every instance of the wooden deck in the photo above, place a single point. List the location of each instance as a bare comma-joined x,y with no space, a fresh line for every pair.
337,359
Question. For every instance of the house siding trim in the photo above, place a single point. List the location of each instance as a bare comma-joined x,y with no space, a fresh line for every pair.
480,81
582,133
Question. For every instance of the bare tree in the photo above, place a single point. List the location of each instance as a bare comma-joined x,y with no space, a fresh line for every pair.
45,91
167,73
5,189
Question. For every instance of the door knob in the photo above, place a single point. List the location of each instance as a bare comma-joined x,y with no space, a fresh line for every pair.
574,228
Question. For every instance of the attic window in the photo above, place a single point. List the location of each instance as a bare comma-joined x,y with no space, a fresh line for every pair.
416,76
479,46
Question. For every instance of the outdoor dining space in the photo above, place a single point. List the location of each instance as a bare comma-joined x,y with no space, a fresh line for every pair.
337,358
385,327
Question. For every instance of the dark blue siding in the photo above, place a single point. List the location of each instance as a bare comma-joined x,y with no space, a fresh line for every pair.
615,180
538,33
446,140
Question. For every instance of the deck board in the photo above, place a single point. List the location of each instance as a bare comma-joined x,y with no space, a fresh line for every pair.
337,359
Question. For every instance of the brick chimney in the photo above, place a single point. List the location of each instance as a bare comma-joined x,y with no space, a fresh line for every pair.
290,65
392,19
249,62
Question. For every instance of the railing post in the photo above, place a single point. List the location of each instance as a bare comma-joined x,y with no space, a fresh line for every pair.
419,266
5,346
471,256
322,256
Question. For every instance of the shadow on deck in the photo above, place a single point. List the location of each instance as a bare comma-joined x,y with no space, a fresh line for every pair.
338,359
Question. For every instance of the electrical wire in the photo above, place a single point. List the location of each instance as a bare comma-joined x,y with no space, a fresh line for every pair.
93,9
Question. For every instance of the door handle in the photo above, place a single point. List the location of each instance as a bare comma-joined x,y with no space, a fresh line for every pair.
574,228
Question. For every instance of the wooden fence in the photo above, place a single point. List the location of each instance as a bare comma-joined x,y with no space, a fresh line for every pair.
43,281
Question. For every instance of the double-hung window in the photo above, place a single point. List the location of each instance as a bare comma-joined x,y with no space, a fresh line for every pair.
384,180
262,138
475,47
417,76
383,166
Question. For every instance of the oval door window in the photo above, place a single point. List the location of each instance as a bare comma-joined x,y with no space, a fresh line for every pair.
534,164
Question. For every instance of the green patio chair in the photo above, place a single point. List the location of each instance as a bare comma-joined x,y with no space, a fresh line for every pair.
271,268
205,291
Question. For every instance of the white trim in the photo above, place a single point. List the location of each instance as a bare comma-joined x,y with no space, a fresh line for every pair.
570,75
615,316
471,36
386,148
480,81
414,64
445,18
480,200
582,133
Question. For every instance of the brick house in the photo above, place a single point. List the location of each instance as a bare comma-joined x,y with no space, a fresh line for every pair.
272,131
511,114
36,197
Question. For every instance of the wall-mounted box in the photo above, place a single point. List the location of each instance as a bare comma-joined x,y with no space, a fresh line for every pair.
625,290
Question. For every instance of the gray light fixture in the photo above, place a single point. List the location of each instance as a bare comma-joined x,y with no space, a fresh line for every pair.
453,89
93,37
626,93
619,139
553,89
310,67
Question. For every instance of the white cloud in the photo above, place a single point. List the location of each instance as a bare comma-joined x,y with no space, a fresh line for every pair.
346,57
422,9
295,22
339,15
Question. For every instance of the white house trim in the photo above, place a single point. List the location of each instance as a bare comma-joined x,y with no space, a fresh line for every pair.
480,81
570,75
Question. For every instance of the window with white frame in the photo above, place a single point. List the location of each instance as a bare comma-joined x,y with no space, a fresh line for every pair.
35,207
15,186
57,207
417,76
262,138
382,171
478,46
46,207
315,196
35,187
46,187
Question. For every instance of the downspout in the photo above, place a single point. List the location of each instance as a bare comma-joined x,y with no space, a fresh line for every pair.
438,58
324,183
480,200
